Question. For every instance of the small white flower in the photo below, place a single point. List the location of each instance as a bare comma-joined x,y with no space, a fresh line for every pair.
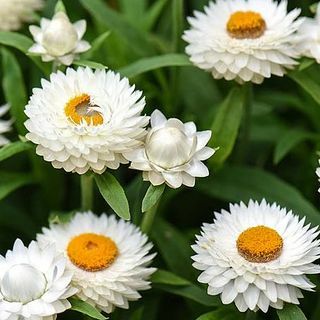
5,125
85,120
58,39
172,152
34,283
309,33
243,40
257,256
109,258
15,12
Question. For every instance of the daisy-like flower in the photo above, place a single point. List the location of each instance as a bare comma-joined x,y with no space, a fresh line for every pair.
109,258
85,120
34,283
309,37
5,125
58,39
257,256
243,40
14,13
172,152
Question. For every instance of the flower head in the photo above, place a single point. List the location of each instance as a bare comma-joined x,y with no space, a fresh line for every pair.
5,125
15,12
309,37
172,152
58,39
109,258
257,256
34,283
85,120
243,40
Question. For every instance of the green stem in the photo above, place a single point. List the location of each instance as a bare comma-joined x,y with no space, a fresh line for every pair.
86,191
148,218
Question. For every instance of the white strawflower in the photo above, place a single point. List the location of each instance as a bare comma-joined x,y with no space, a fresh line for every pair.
109,258
257,256
5,125
309,44
172,152
14,13
85,119
58,39
243,40
34,283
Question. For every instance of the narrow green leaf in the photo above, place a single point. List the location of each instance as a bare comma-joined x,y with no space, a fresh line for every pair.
95,46
223,313
288,141
177,22
90,64
113,193
192,292
61,217
86,308
306,63
134,11
14,89
152,196
137,40
22,43
13,148
168,278
12,181
226,125
307,82
177,254
291,312
153,14
148,64
235,184
16,40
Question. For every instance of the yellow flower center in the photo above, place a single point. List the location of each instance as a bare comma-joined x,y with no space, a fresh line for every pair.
246,25
260,244
79,108
92,252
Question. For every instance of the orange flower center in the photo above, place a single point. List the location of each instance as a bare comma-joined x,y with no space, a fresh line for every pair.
79,109
260,244
92,252
246,25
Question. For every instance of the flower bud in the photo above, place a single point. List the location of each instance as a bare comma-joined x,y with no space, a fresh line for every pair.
169,147
23,283
60,37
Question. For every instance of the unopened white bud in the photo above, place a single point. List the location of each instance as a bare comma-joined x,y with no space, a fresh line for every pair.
23,283
60,37
169,147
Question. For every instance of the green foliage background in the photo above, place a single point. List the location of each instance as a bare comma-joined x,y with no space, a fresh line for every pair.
266,151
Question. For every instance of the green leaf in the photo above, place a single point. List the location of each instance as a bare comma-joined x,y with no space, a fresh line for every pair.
22,43
307,82
137,40
113,193
90,64
177,22
226,125
223,313
174,247
168,278
235,184
86,308
306,63
13,148
60,217
12,181
16,40
291,312
288,141
192,292
153,14
60,7
313,8
153,63
95,45
152,196
14,89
